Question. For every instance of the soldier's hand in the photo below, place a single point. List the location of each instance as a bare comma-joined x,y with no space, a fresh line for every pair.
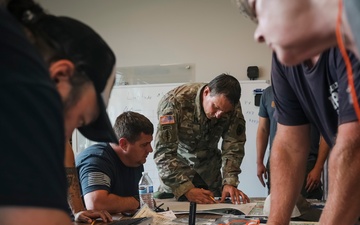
237,196
200,196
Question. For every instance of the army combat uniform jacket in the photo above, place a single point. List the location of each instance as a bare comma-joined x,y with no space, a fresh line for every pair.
186,143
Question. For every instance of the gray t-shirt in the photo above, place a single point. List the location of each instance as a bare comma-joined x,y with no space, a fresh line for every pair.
352,8
267,108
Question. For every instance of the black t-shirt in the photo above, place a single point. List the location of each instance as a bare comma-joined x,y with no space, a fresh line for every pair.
32,128
100,168
318,95
267,109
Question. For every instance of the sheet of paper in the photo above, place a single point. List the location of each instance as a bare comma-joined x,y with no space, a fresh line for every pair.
145,211
303,223
257,210
199,221
169,214
185,206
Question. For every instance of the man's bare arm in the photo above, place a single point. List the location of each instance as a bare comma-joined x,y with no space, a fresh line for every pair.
343,203
314,176
74,194
102,200
262,139
288,161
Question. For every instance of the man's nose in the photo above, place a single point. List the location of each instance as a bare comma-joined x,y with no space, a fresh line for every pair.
218,114
150,149
258,36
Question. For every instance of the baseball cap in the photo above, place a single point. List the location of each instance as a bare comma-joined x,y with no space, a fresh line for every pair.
246,10
92,57
302,210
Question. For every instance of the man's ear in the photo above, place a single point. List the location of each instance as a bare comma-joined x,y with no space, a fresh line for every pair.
61,70
123,144
206,91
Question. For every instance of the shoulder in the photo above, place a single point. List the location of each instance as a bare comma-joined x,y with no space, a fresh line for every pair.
267,92
185,90
94,151
180,96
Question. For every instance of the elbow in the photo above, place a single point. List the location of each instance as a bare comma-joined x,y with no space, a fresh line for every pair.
94,205
94,202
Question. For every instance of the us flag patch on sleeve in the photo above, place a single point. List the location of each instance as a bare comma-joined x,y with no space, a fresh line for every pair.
167,119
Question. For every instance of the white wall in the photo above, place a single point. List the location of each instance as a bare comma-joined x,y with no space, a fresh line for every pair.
210,33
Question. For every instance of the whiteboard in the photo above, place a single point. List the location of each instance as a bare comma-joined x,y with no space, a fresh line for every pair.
144,99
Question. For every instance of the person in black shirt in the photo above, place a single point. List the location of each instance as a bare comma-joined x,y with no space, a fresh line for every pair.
315,92
36,107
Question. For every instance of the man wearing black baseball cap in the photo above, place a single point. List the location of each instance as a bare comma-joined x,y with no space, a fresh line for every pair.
35,126
78,56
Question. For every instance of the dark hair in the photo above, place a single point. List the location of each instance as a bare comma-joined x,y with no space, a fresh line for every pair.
227,85
59,37
130,125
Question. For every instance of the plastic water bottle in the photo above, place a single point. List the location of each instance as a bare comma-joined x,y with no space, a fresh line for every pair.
146,193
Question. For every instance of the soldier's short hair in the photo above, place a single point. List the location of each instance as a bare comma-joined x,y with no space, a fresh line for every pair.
130,125
227,85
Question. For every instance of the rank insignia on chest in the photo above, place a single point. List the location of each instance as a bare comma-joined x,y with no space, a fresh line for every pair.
167,119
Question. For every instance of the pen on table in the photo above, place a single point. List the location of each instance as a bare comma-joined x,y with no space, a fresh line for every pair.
158,207
212,198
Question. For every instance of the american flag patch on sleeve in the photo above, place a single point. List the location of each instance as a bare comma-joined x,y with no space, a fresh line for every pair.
98,178
167,119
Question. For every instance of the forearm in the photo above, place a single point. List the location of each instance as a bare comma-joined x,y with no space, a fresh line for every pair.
233,152
285,184
324,150
262,139
232,160
287,165
173,171
111,203
343,203
261,145
74,195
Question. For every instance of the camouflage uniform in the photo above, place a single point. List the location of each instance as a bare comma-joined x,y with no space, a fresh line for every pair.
186,143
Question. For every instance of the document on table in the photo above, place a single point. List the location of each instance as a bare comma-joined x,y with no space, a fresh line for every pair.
257,210
303,223
145,211
177,206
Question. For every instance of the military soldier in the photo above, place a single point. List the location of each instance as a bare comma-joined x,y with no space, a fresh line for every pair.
192,119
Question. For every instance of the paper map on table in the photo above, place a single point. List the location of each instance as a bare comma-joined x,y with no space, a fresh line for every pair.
185,206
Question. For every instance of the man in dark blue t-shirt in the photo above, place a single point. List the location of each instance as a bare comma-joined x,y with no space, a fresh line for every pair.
110,173
317,92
